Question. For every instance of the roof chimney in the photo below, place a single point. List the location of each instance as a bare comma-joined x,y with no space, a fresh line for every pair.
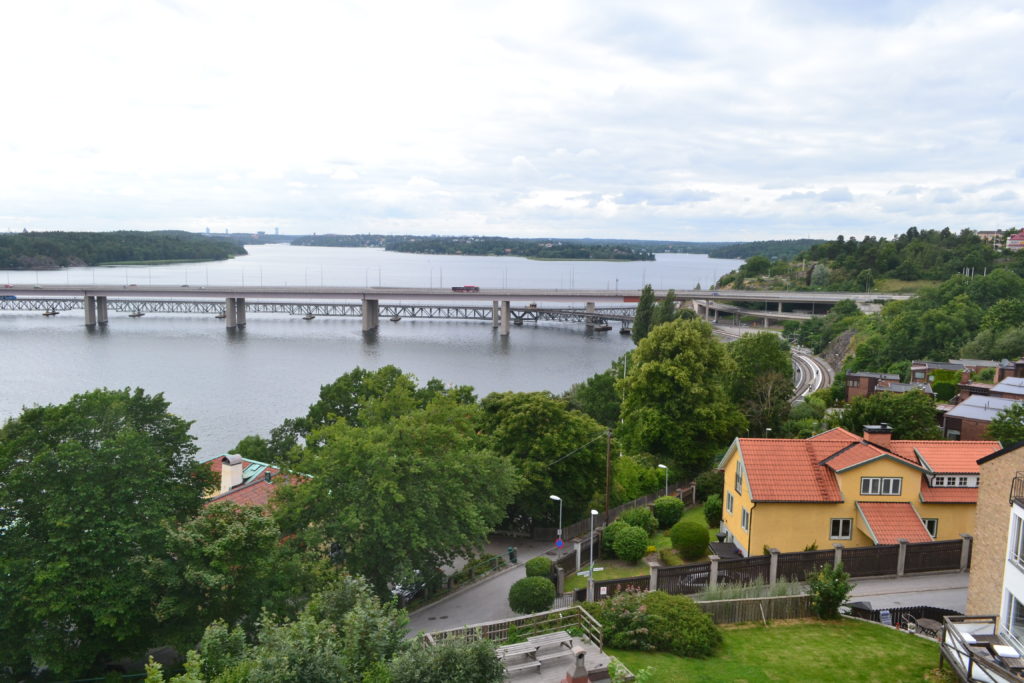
230,472
880,434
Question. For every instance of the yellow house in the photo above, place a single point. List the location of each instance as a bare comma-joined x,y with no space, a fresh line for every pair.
836,487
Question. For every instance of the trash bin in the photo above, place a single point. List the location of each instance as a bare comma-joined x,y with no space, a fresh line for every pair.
513,554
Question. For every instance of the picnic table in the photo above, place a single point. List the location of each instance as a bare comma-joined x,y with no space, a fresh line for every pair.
530,650
929,627
561,638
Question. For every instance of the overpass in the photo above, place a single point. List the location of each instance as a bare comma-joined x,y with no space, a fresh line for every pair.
235,301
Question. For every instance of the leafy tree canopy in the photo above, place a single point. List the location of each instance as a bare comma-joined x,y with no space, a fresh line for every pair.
1008,426
763,382
911,415
643,317
86,488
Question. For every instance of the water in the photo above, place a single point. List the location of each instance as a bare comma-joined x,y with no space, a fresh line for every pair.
245,382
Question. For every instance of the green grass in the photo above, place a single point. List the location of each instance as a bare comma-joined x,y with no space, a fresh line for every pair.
846,650
617,569
899,286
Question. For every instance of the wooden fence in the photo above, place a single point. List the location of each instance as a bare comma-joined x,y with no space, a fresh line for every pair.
531,624
758,609
896,614
876,560
796,566
609,587
935,556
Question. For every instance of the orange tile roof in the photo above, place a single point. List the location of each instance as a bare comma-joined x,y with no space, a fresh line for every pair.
959,457
787,470
888,523
254,491
950,494
861,452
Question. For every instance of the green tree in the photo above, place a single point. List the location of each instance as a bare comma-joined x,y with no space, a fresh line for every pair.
1008,426
665,312
631,544
556,450
225,563
676,403
450,661
411,494
532,594
643,319
86,488
597,397
911,415
763,382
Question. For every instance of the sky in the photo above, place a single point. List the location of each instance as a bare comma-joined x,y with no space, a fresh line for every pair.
694,121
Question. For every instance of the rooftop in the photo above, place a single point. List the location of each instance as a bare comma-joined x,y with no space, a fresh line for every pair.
889,523
979,407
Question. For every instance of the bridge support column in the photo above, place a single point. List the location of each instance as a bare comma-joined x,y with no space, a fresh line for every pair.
766,322
90,311
590,315
716,316
101,310
780,307
229,312
495,315
239,312
371,314
506,315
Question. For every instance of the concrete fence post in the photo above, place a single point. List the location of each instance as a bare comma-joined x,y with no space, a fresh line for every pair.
560,584
590,589
576,547
838,559
965,551
773,568
901,560
654,566
713,572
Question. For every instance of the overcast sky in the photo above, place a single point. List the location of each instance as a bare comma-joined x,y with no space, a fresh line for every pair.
676,120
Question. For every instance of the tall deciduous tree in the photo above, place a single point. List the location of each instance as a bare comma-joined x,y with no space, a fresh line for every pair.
410,494
665,311
539,432
85,490
763,383
1008,425
676,402
911,415
643,319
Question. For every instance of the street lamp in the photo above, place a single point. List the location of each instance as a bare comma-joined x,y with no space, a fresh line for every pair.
767,432
593,513
554,497
665,467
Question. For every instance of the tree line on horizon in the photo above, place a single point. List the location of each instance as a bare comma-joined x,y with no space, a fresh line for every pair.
58,249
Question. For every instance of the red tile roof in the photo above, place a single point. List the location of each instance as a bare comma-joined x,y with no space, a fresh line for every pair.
961,459
860,452
255,490
951,494
787,470
888,523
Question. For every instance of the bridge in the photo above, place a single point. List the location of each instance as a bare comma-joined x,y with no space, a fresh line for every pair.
232,302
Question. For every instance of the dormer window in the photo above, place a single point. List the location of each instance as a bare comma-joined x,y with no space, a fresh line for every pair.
881,486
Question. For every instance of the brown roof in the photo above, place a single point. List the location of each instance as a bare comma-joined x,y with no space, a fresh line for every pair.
889,523
254,489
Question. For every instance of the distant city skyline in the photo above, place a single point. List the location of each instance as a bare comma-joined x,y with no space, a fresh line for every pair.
674,121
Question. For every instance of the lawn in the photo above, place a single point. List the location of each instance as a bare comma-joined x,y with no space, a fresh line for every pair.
617,569
844,650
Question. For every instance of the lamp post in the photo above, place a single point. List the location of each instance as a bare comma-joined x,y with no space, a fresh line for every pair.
665,467
767,432
593,513
554,497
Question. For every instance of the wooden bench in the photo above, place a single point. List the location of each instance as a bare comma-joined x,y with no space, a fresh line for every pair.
561,638
506,651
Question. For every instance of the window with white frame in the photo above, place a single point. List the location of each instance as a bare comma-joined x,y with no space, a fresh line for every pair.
739,478
932,525
938,481
962,481
1017,541
728,502
1015,619
745,520
840,528
881,486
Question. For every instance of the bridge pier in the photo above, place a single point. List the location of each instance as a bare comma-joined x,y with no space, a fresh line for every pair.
780,307
590,315
506,315
371,314
229,312
716,316
495,315
766,322
90,310
101,310
239,312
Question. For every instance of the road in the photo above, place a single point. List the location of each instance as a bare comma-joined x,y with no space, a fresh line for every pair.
947,590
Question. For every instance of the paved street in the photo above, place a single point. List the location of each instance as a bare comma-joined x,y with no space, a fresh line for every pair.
935,590
483,601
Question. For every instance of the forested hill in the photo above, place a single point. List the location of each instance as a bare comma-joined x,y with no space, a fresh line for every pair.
772,249
63,249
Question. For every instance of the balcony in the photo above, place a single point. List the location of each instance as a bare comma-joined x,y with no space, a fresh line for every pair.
977,652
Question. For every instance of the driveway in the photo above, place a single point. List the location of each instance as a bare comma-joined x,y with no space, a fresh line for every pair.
934,590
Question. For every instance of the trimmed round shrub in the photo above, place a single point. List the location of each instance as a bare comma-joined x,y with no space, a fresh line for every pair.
709,483
609,534
713,511
668,510
641,517
631,544
690,539
539,566
532,594
656,621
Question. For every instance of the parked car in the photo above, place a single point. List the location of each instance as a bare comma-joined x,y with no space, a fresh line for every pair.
405,593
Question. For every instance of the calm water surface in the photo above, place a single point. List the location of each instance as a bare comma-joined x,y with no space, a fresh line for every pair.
237,383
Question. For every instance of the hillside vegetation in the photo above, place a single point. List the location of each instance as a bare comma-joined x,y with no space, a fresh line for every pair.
64,249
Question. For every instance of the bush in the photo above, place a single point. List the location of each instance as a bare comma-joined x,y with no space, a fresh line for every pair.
656,621
641,517
713,510
609,534
709,483
450,661
532,594
539,566
690,539
631,544
668,511
829,589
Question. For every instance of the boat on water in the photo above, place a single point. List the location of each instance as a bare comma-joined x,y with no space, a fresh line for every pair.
50,312
136,314
221,316
602,328
517,321
625,330
308,316
396,318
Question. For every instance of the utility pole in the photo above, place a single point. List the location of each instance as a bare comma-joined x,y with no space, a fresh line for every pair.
607,476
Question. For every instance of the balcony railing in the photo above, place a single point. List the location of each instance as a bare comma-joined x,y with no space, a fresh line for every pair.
1017,490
